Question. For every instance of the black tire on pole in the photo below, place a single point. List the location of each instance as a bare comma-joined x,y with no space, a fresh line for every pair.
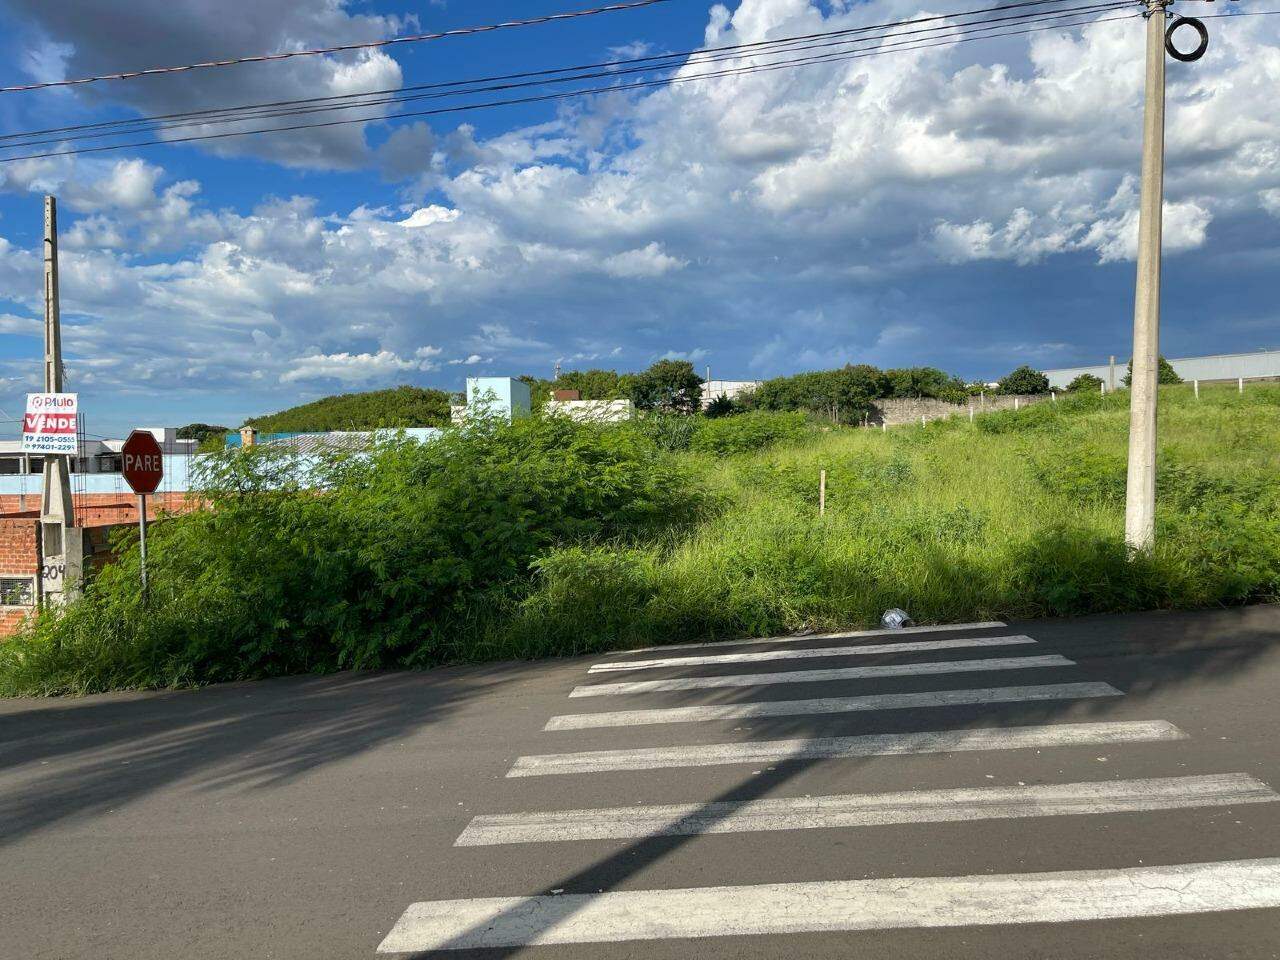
1193,55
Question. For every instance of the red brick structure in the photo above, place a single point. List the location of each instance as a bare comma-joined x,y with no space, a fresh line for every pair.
98,513
19,561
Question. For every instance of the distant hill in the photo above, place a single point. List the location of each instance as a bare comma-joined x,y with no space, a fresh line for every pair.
398,407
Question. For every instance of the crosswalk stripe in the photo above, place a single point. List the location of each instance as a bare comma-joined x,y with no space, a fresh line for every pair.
815,676
795,708
822,748
840,905
862,650
838,635
868,810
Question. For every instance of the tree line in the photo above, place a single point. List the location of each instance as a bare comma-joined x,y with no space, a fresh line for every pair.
842,395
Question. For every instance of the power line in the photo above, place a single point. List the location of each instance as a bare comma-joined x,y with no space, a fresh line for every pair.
340,48
899,48
908,46
461,88
695,53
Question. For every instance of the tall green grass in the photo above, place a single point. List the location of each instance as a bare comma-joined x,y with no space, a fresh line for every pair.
1017,515
550,538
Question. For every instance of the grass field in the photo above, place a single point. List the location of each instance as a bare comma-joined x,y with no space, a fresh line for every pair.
544,539
1018,515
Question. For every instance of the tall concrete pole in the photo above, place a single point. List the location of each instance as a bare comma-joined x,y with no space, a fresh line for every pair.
56,510
1140,494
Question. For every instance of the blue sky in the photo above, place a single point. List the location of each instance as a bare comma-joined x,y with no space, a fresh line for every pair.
971,207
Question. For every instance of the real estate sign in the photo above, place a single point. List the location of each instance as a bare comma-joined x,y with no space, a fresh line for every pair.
50,423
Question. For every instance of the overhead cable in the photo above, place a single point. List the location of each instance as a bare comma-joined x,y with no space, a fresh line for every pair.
339,48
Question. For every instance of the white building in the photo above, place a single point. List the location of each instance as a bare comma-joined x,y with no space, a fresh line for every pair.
1260,365
732,389
96,456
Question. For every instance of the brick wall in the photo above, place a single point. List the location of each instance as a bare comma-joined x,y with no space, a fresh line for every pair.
102,509
19,557
99,513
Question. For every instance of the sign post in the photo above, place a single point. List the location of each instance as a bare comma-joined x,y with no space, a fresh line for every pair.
142,463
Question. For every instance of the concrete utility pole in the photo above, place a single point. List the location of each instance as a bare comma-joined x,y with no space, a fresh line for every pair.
1140,493
56,509
59,546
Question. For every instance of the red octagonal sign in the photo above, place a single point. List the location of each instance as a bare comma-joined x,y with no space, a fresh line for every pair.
142,462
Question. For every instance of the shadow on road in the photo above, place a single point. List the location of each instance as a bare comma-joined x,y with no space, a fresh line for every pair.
254,735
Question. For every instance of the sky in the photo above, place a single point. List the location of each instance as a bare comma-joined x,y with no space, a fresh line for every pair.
971,206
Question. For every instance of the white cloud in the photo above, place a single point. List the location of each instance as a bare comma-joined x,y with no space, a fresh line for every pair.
646,261
356,367
787,217
427,216
87,37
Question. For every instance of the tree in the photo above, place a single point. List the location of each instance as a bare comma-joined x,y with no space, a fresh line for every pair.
1085,382
1165,373
201,431
671,386
929,382
1024,380
840,395
590,384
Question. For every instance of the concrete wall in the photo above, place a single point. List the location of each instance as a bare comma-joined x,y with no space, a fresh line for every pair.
907,410
1261,365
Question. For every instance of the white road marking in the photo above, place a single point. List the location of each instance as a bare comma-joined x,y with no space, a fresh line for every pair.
795,708
843,905
839,635
862,650
815,676
822,748
869,810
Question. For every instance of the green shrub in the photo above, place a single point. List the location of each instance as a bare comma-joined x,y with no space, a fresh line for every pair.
550,537
747,432
371,572
1024,380
1085,382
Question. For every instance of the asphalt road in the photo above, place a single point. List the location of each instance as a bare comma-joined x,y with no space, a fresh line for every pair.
1108,797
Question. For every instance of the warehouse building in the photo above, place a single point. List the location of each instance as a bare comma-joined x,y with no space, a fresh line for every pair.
1260,365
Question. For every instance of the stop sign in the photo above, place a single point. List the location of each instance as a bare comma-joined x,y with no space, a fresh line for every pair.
142,462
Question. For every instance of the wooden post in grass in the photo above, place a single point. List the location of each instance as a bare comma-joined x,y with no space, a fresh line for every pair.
971,413
1195,385
1240,381
1017,401
1102,388
822,493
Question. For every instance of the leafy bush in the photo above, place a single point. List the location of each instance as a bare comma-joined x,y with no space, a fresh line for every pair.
1165,374
841,396
1024,380
721,405
550,537
749,431
1085,381
926,382
370,572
